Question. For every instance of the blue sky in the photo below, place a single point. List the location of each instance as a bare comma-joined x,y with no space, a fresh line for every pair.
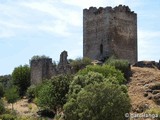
47,27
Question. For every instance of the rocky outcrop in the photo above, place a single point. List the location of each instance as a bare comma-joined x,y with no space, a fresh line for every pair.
148,64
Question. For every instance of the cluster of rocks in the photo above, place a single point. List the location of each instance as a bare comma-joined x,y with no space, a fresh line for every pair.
152,92
148,64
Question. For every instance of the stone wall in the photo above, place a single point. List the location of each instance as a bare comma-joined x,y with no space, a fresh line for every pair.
110,31
43,68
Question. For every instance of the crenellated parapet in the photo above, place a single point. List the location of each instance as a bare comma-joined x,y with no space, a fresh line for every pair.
96,11
110,31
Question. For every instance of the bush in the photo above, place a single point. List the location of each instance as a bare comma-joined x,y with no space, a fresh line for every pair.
155,112
52,93
80,81
8,117
80,63
21,78
12,95
1,90
99,101
37,57
2,108
122,65
107,71
5,80
31,92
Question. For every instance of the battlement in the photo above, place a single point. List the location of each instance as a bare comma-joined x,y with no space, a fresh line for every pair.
120,8
110,31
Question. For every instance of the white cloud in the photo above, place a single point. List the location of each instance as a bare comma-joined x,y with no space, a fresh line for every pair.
148,45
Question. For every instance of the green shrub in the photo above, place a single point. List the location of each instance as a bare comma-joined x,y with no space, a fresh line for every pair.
2,108
98,101
8,117
12,95
107,71
31,92
80,63
37,57
155,112
1,90
21,78
52,93
122,65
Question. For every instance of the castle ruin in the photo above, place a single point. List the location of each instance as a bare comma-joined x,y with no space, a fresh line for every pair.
43,68
110,31
106,32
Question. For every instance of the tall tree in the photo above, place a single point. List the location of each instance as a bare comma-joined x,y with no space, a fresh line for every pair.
21,78
52,94
12,95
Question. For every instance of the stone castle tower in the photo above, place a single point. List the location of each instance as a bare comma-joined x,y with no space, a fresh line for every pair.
110,31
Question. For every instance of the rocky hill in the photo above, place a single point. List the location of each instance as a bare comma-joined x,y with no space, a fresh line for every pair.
144,89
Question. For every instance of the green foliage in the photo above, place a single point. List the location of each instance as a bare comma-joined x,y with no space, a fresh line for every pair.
52,93
99,101
31,92
80,63
1,90
154,111
2,108
12,95
46,96
107,71
21,78
80,81
5,80
8,117
122,65
37,57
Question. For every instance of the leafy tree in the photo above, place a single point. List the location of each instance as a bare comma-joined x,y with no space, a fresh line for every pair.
107,71
5,80
94,96
80,81
1,90
31,92
99,101
21,78
80,63
12,95
2,108
122,65
52,93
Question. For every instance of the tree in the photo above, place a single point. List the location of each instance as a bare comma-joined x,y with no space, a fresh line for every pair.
1,90
21,78
2,108
52,94
94,96
5,80
122,65
99,101
12,95
80,63
107,71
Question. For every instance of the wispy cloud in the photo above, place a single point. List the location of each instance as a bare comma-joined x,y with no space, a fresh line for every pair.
31,27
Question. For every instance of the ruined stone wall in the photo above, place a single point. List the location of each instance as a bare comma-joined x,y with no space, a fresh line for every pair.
41,69
110,31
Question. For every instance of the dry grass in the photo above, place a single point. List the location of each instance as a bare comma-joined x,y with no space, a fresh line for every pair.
136,87
23,108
